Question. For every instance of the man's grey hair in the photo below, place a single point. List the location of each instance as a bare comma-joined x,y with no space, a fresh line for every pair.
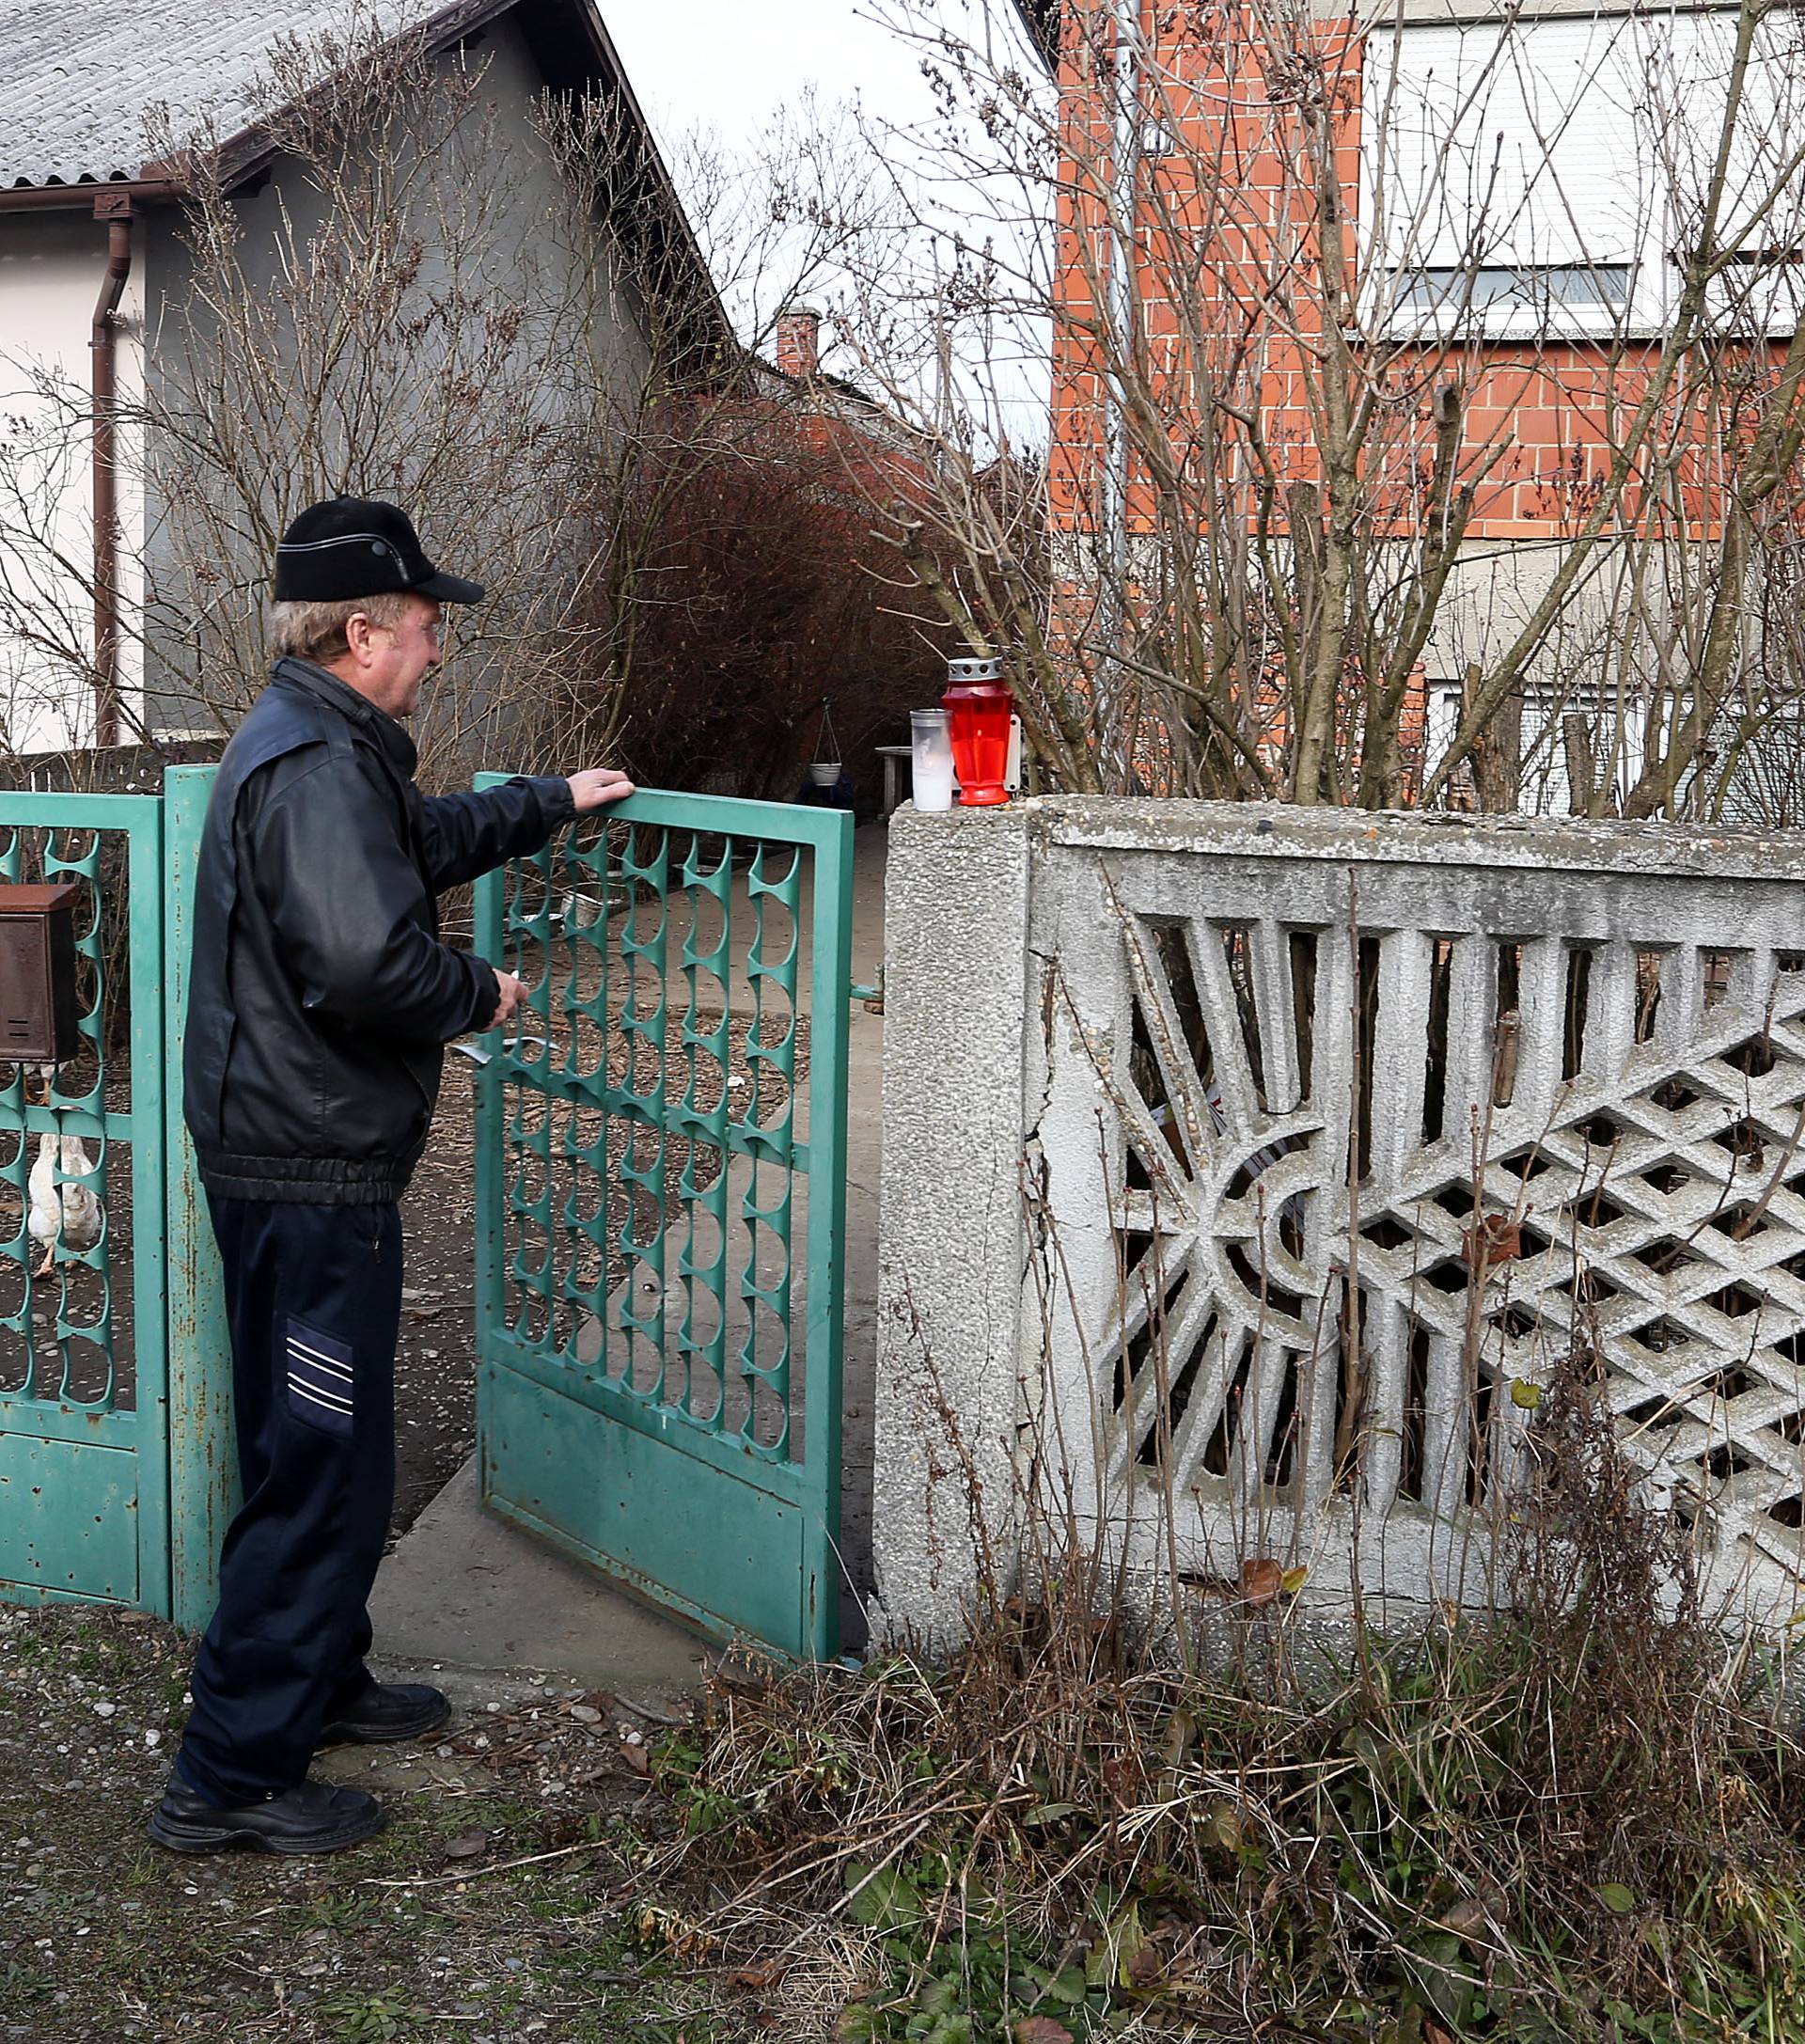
317,631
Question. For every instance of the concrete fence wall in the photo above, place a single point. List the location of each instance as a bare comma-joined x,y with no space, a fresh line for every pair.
1248,1171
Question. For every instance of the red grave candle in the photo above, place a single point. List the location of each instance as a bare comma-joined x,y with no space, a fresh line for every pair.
979,707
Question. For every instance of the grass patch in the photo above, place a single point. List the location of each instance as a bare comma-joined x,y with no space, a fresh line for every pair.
1577,1820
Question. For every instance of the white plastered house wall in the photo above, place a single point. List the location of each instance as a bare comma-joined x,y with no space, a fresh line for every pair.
52,268
82,80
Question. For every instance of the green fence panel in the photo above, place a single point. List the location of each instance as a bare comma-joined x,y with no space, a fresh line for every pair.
203,1454
83,1380
660,1207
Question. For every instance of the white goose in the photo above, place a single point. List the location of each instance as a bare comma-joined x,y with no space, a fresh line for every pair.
65,1212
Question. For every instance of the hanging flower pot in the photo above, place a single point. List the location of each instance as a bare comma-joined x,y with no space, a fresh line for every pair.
826,785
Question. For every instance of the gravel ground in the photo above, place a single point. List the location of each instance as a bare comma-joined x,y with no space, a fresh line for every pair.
515,1894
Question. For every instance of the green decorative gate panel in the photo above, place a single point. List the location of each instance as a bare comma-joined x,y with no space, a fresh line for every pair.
660,1201
84,1465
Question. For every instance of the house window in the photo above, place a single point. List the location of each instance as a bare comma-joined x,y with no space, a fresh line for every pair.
1610,732
1760,290
1541,288
1536,178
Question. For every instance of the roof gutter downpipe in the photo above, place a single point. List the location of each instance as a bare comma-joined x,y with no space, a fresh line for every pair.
104,345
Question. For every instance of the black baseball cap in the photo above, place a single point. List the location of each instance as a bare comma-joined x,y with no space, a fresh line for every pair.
353,547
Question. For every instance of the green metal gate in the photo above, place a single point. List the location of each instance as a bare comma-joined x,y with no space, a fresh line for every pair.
110,1313
84,1377
660,1207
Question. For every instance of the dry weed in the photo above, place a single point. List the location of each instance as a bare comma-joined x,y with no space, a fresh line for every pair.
1572,1818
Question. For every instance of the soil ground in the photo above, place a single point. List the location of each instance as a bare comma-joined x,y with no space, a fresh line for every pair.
513,1897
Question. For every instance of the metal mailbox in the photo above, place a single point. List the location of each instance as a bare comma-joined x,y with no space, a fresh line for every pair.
37,996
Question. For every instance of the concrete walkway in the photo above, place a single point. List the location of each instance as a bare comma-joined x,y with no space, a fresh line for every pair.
464,1591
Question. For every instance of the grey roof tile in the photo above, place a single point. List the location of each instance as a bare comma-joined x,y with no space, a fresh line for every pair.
78,77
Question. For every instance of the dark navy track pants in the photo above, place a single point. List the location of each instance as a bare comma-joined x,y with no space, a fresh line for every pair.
313,1299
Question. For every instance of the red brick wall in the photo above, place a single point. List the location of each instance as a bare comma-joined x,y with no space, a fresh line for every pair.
1232,100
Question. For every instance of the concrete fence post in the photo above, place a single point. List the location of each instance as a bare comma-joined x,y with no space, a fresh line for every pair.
951,1240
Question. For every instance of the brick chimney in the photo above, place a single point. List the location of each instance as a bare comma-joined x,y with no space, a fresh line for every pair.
799,341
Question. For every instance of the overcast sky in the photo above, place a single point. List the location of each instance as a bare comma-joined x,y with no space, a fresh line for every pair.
729,65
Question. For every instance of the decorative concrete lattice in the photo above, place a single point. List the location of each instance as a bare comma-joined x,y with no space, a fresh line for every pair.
1383,1115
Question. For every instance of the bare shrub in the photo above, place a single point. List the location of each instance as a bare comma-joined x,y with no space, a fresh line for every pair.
755,599
1301,315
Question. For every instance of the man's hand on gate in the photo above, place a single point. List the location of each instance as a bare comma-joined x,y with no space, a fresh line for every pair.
513,993
597,785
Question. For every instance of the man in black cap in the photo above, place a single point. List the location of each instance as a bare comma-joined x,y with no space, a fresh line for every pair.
321,1000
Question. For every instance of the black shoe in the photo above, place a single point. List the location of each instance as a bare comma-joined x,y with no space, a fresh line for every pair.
314,1817
386,1711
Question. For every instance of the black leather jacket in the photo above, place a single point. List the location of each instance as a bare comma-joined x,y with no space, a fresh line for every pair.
320,996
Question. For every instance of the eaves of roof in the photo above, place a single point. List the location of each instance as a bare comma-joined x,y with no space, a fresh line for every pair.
847,403
571,47
94,195
1042,20
821,380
